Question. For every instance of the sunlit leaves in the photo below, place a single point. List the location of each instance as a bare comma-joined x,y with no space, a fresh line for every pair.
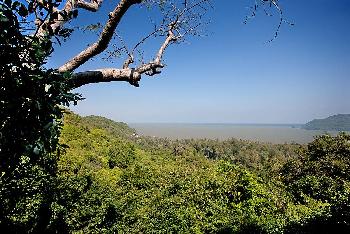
149,188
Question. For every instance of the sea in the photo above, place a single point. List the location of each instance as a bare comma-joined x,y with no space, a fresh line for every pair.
269,133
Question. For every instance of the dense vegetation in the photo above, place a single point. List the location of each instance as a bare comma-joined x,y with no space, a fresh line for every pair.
112,180
99,177
340,122
30,122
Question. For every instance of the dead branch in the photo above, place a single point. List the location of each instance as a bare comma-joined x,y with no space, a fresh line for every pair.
173,27
105,37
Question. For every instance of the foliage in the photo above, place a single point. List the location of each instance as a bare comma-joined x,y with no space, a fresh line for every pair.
30,123
114,128
323,173
262,158
155,190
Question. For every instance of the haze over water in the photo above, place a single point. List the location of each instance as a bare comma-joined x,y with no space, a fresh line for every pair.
254,132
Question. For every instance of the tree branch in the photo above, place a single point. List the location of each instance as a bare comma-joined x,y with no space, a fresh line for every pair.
105,37
170,38
105,75
93,5
64,15
131,75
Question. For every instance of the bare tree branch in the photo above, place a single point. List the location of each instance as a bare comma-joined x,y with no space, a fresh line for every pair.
105,37
174,26
131,75
268,4
93,5
55,18
105,75
180,18
170,38
62,18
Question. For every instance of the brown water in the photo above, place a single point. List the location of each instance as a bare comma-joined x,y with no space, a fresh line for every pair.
262,133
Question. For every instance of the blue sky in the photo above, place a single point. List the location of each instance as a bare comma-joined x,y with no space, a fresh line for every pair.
232,75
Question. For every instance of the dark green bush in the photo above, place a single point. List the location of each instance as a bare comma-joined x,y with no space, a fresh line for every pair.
323,173
30,117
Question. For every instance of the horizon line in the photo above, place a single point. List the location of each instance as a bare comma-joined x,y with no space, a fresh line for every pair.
223,123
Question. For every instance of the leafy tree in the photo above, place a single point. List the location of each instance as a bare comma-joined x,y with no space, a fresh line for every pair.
30,99
323,173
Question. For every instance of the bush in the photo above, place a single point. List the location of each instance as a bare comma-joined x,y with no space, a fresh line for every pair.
323,173
30,99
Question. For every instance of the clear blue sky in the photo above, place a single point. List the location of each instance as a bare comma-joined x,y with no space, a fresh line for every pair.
232,75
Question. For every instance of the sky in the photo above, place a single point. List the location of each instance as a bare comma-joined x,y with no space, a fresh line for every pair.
232,74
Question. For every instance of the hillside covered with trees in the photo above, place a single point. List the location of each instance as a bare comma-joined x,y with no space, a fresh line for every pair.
340,122
111,180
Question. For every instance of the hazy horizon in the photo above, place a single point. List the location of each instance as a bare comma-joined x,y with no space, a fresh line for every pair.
222,123
201,122
233,123
277,134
